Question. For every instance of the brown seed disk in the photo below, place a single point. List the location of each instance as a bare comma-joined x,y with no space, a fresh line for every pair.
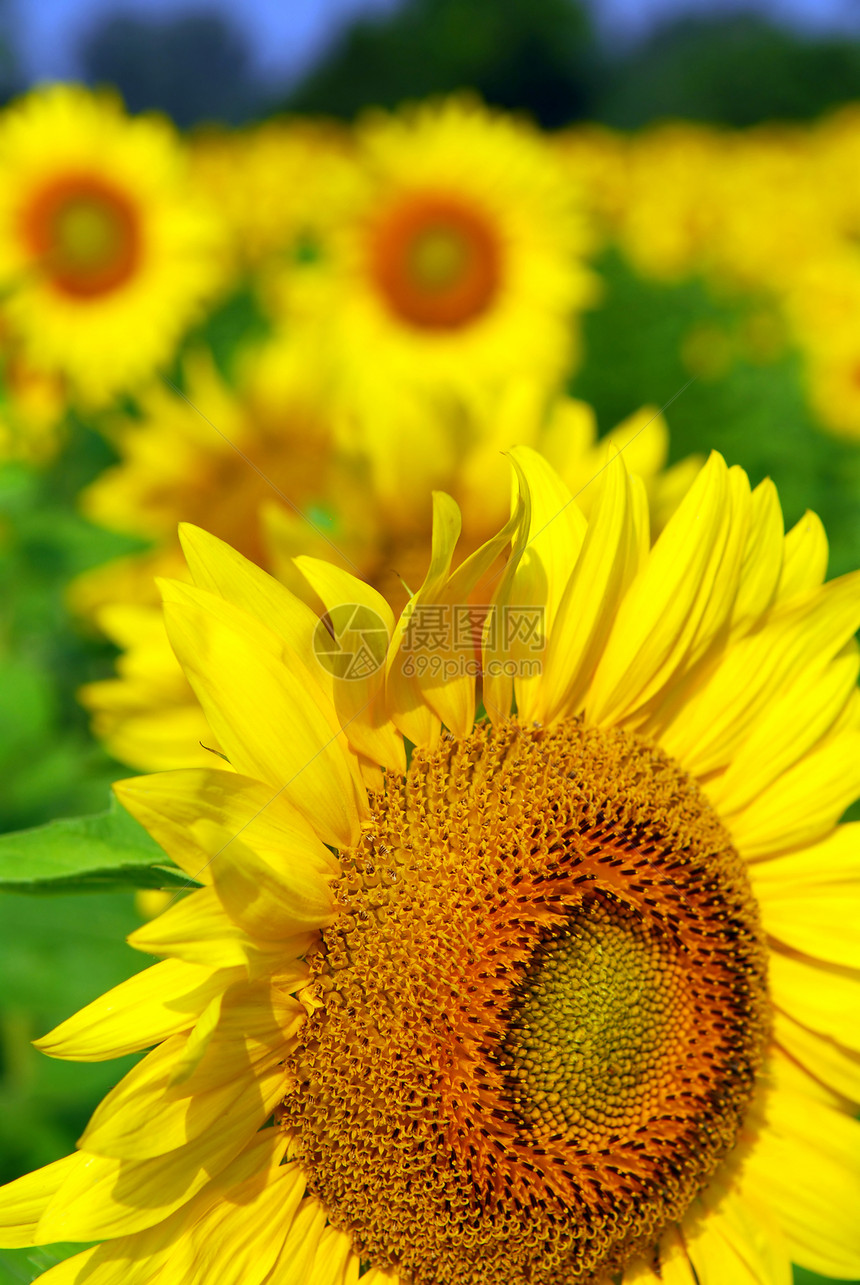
436,261
544,1008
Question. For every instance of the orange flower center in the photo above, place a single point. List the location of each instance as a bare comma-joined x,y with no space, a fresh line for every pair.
85,234
543,1011
436,261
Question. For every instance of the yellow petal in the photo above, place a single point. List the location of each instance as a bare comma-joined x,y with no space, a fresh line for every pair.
804,559
820,1056
804,803
151,1006
221,570
270,725
270,870
138,1258
335,1262
569,436
158,741
710,722
144,1116
761,567
238,1241
824,999
269,903
455,703
498,682
675,1266
23,1201
106,1197
197,813
359,697
803,1167
556,532
683,597
787,731
831,860
643,439
296,1260
378,1277
736,1242
79,1268
822,921
590,602
161,1104
196,929
405,696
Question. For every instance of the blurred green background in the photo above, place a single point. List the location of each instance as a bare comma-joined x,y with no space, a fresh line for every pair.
545,57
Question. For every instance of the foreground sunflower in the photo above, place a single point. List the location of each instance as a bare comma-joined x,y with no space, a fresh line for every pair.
106,253
558,997
453,253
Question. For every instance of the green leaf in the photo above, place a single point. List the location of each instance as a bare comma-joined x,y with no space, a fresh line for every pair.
86,854
21,1266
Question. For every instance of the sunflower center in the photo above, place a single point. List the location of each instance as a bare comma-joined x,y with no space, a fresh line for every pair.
436,262
589,1041
85,234
543,1008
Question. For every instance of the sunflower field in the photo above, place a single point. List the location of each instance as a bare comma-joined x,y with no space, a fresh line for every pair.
429,722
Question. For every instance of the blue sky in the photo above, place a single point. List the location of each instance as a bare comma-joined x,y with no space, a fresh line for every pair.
630,19
287,35
284,35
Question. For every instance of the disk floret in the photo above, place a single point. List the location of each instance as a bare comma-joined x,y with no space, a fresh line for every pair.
543,1010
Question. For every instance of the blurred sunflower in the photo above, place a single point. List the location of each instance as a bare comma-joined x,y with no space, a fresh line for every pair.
106,254
267,467
227,457
567,997
268,182
452,259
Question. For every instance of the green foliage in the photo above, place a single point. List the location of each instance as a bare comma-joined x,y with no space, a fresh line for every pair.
754,413
234,325
731,70
83,854
534,54
59,953
20,1266
543,57
49,763
803,1277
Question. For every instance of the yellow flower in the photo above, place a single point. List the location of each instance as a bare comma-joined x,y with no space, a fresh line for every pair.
269,468
105,253
570,995
224,457
268,183
454,256
821,305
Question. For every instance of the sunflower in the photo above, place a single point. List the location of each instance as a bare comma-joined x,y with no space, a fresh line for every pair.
225,456
106,254
557,995
269,182
454,255
264,467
